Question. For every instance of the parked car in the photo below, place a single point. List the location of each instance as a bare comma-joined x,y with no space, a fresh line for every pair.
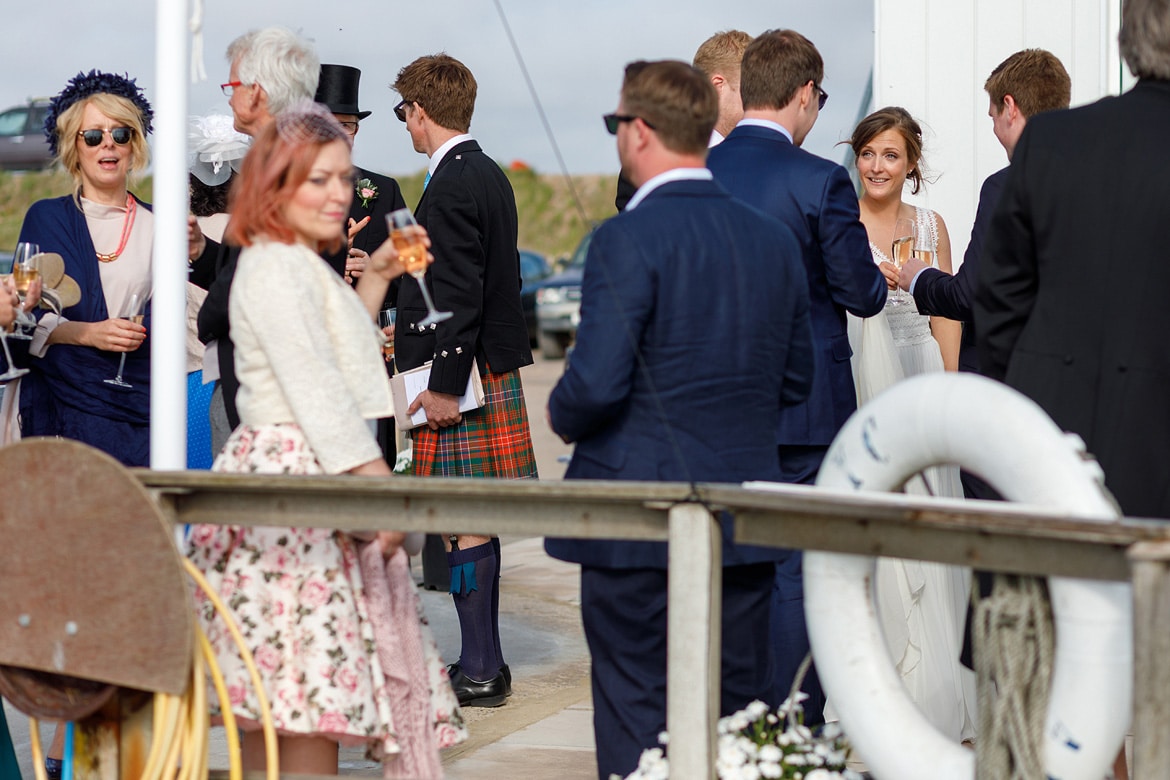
558,304
22,137
534,269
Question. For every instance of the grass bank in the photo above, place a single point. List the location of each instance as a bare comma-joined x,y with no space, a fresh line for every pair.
549,220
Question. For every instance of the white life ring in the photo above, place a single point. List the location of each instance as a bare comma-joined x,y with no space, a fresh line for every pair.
1007,439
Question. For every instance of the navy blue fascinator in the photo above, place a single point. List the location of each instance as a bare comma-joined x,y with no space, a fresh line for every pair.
95,82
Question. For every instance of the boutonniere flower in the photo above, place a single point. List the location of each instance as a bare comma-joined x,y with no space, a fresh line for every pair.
367,191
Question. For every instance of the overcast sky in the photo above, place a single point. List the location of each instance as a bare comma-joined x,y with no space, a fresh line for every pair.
574,51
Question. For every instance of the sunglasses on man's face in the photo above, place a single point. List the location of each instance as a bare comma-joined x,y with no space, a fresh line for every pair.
400,110
121,135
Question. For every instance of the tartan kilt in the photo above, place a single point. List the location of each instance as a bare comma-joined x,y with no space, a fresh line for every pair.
492,441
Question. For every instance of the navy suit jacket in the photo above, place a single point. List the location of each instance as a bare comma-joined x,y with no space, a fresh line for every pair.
814,198
938,293
469,210
694,331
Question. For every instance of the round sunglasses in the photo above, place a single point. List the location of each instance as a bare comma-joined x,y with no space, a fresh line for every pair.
121,135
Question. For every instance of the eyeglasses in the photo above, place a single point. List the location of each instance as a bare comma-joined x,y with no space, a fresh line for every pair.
350,128
400,110
613,120
121,135
824,98
230,87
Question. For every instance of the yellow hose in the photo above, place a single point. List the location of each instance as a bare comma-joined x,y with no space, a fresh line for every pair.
272,759
38,755
236,771
181,724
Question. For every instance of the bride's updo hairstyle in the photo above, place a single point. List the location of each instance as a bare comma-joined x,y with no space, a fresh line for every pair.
893,118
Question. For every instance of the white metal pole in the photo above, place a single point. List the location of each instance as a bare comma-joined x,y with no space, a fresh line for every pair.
168,375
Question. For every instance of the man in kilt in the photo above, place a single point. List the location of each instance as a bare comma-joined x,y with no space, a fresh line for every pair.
469,211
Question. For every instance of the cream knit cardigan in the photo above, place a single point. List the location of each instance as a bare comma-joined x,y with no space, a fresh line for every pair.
307,352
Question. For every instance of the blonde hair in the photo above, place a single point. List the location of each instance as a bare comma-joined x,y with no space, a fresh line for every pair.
121,111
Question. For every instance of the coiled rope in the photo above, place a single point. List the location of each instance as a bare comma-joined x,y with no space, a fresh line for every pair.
1014,654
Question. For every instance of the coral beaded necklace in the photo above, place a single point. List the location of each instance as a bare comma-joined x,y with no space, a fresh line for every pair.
127,226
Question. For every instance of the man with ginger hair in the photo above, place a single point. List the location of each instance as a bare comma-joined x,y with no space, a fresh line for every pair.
469,210
718,58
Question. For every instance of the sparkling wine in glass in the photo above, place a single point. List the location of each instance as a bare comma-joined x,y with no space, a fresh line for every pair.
412,252
386,319
134,312
25,271
901,251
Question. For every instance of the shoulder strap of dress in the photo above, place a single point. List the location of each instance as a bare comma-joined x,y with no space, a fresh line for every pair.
928,225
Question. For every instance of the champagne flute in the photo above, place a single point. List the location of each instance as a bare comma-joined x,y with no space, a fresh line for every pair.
901,251
412,252
386,319
25,271
13,372
133,311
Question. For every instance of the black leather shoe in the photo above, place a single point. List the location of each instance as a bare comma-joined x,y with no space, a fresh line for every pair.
472,693
453,669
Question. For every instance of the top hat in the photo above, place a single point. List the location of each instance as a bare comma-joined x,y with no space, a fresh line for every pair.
338,89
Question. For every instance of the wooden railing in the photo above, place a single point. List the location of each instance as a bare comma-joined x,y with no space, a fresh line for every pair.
992,536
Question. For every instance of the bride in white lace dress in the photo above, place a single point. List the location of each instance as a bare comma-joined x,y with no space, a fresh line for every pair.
922,604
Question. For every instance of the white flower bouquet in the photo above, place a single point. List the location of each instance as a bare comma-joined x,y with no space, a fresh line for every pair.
757,743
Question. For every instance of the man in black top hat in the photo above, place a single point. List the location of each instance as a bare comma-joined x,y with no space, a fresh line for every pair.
375,195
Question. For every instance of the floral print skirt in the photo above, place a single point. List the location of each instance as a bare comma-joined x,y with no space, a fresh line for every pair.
296,595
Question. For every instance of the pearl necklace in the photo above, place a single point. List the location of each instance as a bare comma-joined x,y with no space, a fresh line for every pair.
127,226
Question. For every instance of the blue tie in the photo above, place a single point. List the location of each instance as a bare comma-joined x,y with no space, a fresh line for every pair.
426,180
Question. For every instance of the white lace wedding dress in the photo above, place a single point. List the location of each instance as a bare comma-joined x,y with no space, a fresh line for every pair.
922,605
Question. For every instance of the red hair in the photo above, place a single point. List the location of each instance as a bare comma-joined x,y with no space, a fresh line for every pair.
272,171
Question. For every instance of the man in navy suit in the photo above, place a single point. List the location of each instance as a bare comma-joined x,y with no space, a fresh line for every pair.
694,334
1025,84
761,163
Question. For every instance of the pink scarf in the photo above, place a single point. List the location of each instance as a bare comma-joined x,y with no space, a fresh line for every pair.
392,603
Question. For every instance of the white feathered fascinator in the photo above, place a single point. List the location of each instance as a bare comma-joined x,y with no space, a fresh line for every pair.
215,149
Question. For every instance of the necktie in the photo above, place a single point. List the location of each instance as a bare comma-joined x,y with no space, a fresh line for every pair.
427,180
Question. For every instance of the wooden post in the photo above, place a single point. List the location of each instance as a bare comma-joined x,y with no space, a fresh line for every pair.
1151,620
694,640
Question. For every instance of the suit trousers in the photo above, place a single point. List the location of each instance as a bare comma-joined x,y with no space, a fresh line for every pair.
798,465
624,614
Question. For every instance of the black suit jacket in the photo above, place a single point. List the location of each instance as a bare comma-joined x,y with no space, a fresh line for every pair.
374,234
938,293
1074,284
469,210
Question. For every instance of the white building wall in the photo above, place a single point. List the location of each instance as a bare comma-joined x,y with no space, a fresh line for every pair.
933,56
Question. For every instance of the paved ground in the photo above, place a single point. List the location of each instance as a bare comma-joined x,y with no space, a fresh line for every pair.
545,729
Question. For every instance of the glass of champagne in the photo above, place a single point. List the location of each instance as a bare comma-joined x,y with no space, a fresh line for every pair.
133,311
412,252
386,319
901,251
24,273
13,372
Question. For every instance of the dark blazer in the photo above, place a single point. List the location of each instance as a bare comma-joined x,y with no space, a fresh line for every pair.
469,210
938,293
389,199
694,331
375,233
814,198
1074,283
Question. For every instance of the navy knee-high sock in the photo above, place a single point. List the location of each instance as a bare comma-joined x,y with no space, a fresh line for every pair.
473,580
496,601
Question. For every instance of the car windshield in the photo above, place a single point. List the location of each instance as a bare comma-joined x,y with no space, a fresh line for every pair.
13,122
